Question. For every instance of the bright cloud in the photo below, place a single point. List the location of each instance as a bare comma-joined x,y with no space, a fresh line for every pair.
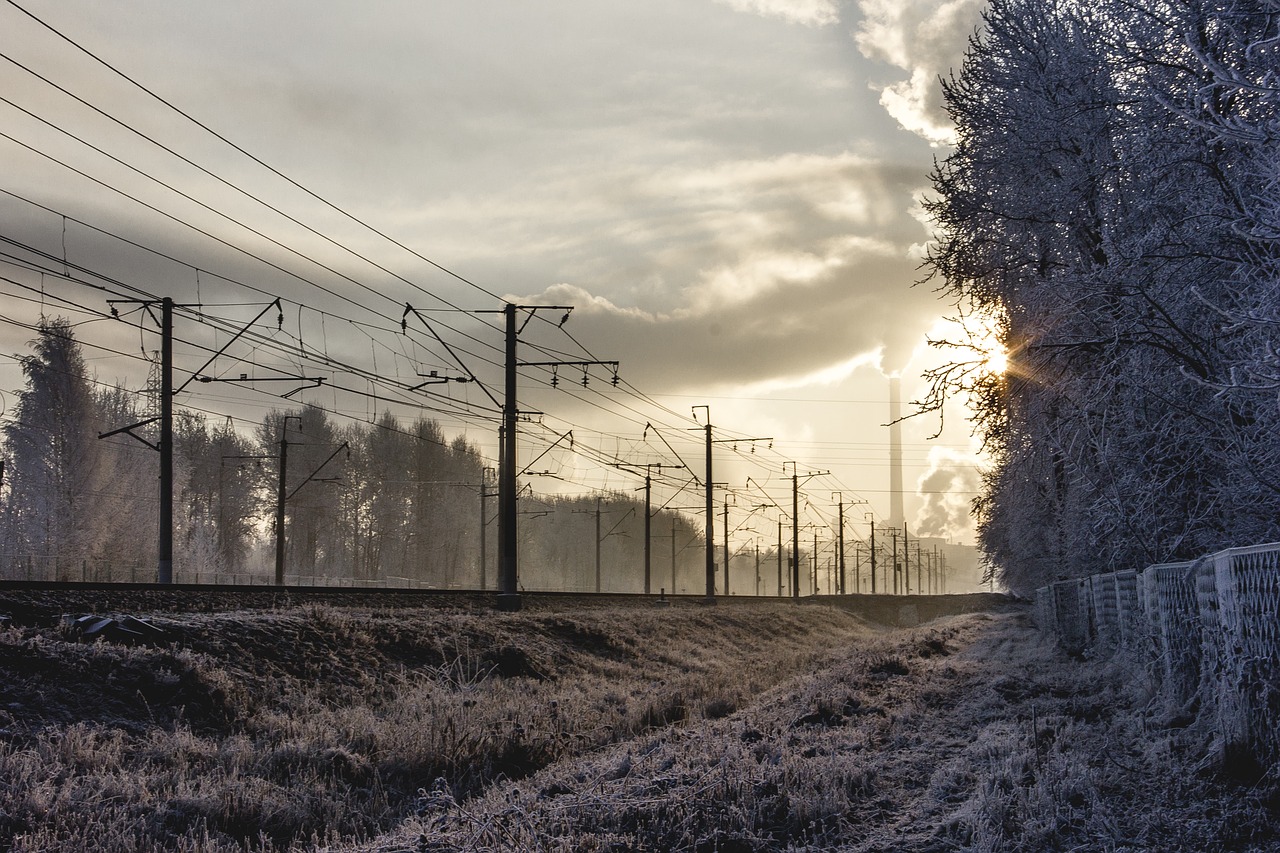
925,39
814,13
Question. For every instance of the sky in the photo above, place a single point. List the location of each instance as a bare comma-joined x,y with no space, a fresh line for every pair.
727,192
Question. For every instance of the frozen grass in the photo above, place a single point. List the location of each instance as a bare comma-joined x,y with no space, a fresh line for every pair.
308,727
963,735
732,729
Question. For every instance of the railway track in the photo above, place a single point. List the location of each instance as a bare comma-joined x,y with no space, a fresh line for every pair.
39,602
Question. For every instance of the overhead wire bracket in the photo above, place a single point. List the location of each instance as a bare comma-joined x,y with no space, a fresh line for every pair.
129,431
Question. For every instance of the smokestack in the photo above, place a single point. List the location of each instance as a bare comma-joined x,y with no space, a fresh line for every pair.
896,514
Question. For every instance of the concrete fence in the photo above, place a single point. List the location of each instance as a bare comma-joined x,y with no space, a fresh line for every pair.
1207,633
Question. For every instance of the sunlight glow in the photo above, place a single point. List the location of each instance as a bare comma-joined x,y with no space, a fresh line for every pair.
997,360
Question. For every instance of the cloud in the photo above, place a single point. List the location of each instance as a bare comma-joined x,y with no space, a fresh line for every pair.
786,332
816,13
947,490
762,270
925,39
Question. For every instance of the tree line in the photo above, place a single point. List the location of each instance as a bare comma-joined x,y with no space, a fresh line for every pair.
1111,206
367,503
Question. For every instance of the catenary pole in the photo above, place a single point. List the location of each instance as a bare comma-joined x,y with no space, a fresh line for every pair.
280,493
779,556
795,535
726,543
164,573
873,555
840,538
508,594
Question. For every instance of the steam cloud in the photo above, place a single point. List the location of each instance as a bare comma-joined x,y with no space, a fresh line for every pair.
947,489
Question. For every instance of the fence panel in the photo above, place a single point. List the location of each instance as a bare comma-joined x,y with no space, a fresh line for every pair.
1208,631
1128,610
1071,619
1171,596
1102,591
1248,678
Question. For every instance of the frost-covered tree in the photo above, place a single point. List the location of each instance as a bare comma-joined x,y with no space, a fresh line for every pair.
313,524
1093,208
126,518
219,496
52,449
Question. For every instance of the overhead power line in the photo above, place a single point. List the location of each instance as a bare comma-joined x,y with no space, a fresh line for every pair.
246,153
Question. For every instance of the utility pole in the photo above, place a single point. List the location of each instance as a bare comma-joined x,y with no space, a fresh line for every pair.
600,538
840,565
164,568
711,553
873,554
648,520
897,566
779,556
648,528
508,558
710,508
920,590
757,567
508,592
795,524
906,562
726,543
814,561
164,444
485,494
280,496
795,532
165,572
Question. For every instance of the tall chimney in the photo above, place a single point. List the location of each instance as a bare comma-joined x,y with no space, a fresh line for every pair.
896,514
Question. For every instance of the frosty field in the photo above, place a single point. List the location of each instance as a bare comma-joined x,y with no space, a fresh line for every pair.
736,728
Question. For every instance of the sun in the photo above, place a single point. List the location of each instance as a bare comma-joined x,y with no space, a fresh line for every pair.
996,359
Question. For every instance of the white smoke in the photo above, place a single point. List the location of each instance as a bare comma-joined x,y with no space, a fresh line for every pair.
947,490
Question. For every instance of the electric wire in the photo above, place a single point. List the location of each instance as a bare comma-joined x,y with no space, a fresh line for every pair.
252,157
634,391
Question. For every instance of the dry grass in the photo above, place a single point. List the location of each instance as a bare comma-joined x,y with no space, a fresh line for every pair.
297,728
717,729
963,735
